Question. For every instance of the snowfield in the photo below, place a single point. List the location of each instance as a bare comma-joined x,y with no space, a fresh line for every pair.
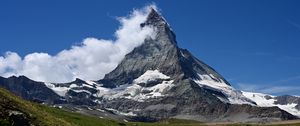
61,91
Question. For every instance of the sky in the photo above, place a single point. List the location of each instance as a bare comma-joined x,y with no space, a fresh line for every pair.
254,44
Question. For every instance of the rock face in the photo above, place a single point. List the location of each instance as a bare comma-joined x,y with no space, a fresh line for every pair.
157,80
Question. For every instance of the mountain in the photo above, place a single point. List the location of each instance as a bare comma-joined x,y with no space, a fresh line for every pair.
162,56
288,103
30,90
160,80
156,81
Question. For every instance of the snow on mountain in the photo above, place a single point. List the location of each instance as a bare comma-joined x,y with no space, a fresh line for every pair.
141,88
61,91
150,75
233,96
138,90
265,100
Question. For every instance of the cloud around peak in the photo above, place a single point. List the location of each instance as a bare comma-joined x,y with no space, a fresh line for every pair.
90,60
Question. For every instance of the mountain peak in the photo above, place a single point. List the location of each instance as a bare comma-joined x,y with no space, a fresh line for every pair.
154,18
161,53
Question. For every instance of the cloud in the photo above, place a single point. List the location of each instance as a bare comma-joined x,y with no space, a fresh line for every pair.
288,58
294,24
277,87
263,54
269,89
90,60
281,89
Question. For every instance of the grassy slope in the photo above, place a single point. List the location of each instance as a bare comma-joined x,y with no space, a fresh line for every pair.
38,115
44,115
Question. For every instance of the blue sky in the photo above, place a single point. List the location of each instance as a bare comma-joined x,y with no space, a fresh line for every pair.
254,44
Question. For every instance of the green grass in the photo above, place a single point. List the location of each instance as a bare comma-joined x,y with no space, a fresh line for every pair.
79,119
84,120
38,115
42,115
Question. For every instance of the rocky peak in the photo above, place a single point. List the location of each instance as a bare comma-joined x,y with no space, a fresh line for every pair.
154,18
160,53
162,28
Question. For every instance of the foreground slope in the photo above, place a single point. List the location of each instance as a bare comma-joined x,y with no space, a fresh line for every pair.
14,110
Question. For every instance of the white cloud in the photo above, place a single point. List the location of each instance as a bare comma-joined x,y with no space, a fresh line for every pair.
10,63
90,60
269,89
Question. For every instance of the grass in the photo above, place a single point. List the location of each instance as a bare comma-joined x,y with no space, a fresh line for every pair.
42,115
38,116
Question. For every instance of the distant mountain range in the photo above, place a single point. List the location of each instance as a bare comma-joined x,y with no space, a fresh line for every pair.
158,80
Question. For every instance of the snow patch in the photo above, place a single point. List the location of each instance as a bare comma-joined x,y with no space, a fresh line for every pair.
80,91
100,110
150,75
61,91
